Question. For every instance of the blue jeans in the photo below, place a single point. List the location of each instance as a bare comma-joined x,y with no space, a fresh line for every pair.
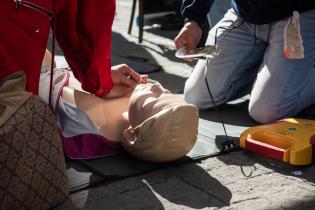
252,61
217,11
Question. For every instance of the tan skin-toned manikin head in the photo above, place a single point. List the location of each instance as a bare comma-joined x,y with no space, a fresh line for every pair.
149,99
166,128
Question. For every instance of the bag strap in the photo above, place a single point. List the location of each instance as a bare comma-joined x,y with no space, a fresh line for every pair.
52,57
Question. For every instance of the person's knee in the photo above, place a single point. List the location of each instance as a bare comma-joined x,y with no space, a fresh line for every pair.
191,96
194,94
200,98
263,113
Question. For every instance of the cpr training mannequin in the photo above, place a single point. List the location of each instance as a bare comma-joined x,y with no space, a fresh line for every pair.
152,123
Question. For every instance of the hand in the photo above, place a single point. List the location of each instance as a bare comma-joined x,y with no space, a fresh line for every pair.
119,91
125,79
124,75
144,79
188,36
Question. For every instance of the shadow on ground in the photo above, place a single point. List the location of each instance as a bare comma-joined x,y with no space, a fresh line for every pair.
307,203
189,186
232,114
123,47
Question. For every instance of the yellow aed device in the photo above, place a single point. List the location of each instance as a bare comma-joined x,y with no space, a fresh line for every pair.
290,140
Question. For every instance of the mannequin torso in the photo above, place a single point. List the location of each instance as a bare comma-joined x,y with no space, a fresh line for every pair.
109,115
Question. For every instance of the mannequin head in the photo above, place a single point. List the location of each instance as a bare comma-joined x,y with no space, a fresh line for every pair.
163,127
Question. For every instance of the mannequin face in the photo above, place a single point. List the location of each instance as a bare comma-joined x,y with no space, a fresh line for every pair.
163,126
149,99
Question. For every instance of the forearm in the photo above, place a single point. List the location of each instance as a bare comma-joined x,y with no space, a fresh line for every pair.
83,30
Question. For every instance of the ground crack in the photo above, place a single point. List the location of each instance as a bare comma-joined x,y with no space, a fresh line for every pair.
248,199
202,190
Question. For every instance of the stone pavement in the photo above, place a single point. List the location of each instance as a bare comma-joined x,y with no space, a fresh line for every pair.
239,180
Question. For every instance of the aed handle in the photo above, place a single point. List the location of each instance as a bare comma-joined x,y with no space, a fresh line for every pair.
264,149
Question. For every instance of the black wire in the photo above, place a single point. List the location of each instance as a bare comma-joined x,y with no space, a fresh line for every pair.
207,84
255,37
225,28
215,45
216,109
267,41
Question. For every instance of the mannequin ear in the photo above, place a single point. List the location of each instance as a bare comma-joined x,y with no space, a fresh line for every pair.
129,137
